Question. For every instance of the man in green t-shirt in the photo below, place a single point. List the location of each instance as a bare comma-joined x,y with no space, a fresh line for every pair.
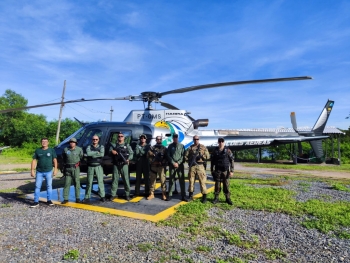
44,159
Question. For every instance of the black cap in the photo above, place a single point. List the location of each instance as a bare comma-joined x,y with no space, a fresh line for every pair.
221,139
175,135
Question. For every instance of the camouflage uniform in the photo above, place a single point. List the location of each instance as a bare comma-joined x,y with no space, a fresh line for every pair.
72,159
142,167
120,168
175,154
94,159
157,159
222,163
196,155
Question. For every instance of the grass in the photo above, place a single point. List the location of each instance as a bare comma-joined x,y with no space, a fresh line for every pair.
340,187
322,215
71,255
307,167
144,247
15,160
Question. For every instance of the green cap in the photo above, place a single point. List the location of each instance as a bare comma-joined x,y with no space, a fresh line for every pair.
73,140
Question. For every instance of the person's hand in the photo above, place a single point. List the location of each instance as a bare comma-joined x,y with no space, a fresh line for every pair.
114,152
32,174
54,173
176,165
231,174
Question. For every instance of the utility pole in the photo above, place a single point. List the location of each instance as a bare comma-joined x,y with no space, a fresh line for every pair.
59,118
111,113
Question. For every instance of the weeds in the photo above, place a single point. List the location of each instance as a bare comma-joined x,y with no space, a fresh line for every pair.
71,255
273,254
144,247
340,187
203,249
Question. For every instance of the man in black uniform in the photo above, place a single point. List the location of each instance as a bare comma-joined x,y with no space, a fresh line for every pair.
222,164
122,154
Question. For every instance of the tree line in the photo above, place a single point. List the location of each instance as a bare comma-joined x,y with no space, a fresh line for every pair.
20,129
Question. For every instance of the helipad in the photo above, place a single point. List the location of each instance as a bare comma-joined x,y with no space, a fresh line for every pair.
138,207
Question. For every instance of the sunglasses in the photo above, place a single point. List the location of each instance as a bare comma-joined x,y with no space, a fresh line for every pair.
120,136
221,141
95,139
196,139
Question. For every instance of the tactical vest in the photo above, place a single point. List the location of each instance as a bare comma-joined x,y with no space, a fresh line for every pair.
198,153
122,150
94,160
222,160
159,153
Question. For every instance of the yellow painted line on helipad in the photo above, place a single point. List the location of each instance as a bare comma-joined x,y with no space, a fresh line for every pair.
112,211
171,210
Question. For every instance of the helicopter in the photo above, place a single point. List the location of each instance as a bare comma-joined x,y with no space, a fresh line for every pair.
166,122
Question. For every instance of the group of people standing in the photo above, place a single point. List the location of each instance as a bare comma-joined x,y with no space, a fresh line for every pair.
151,163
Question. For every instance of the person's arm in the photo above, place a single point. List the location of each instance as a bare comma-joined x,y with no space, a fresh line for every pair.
32,168
169,158
102,151
81,154
112,149
230,155
182,153
89,152
206,154
131,154
54,166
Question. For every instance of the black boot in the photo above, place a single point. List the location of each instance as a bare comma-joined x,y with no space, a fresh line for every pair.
204,198
216,199
228,200
190,196
184,198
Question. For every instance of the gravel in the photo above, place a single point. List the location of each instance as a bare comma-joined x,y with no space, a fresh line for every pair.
46,234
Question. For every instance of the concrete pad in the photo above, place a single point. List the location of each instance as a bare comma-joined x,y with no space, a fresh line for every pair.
138,207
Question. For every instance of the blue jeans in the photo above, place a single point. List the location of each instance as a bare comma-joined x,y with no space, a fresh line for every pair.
38,182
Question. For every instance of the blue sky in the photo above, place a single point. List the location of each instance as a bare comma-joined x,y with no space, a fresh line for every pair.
117,48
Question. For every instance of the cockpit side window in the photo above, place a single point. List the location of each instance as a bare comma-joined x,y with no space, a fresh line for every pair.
89,135
114,137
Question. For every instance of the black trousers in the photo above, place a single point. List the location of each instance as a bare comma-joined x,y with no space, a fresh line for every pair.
224,178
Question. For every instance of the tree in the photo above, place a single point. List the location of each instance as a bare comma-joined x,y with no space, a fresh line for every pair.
10,99
30,128
68,127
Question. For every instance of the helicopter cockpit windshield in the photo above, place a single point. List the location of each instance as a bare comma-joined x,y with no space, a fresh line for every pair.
77,135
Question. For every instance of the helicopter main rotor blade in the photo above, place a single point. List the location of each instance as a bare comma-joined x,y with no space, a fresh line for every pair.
169,106
214,85
69,101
